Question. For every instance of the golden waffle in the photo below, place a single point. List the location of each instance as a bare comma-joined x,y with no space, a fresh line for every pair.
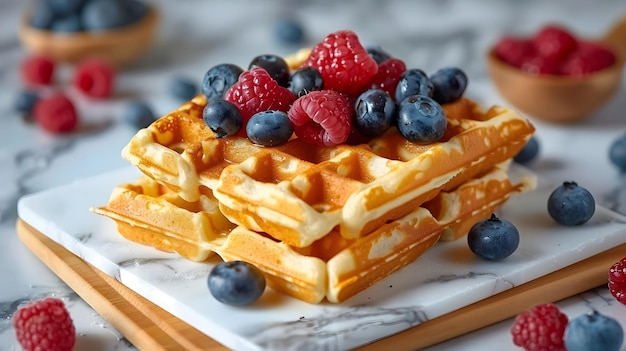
300,192
333,267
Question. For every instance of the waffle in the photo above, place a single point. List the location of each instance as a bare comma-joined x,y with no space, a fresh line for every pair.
300,193
332,267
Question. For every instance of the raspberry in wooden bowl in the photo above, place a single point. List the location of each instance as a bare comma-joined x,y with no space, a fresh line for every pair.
556,76
116,31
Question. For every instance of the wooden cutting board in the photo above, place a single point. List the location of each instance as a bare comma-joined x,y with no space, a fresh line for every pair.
149,327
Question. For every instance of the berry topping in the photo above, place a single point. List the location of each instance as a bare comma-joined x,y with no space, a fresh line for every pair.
343,62
535,65
94,78
617,280
421,119
514,51
529,152
183,88
269,128
218,79
449,84
388,76
493,239
37,70
375,113
554,42
378,53
594,332
25,102
588,58
256,91
571,204
288,31
56,114
322,117
236,283
139,115
223,117
305,80
540,328
44,325
275,65
413,82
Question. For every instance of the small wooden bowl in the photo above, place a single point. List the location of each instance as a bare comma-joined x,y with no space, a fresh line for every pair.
118,46
561,99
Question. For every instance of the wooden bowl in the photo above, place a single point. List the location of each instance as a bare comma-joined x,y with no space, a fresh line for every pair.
118,46
561,99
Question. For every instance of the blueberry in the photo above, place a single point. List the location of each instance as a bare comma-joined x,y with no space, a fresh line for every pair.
42,15
378,53
617,153
571,204
593,332
183,88
449,84
64,8
25,102
421,119
305,80
413,82
223,117
98,15
218,79
528,152
493,239
269,128
138,114
236,283
375,113
288,31
136,10
67,24
275,65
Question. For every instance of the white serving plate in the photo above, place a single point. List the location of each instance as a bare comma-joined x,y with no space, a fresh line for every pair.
446,278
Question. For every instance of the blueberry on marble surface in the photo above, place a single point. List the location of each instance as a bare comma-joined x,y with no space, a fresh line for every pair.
593,332
413,82
275,65
139,114
449,84
218,79
617,153
223,117
493,239
378,53
375,113
305,80
25,102
571,204
421,119
529,152
269,128
289,30
236,283
183,88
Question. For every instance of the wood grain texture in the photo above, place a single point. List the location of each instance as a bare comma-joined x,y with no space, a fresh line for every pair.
149,327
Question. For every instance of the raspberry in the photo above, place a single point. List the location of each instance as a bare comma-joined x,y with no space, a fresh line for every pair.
589,57
617,280
94,78
514,51
322,117
37,70
343,62
44,325
256,91
388,76
56,114
540,328
539,65
554,42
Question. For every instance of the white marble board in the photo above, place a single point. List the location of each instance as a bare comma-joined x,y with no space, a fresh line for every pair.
446,278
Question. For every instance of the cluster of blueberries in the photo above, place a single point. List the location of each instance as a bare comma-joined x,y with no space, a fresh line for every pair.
68,16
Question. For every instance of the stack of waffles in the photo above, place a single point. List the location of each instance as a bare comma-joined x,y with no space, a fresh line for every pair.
323,223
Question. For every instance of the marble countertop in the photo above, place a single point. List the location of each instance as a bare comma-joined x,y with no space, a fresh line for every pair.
195,35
